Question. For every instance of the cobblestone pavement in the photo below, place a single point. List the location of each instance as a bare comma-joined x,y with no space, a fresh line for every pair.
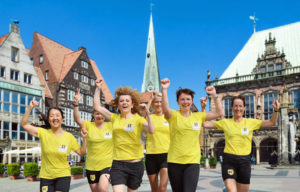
262,180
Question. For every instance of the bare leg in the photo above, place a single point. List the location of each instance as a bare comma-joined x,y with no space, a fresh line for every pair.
153,182
163,173
118,188
231,185
242,187
103,183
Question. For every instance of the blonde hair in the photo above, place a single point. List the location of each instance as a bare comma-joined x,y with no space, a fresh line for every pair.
156,96
133,93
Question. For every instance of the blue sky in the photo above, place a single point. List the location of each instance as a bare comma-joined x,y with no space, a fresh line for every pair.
192,36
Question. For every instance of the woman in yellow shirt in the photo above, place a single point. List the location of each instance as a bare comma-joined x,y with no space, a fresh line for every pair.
238,131
99,148
184,152
157,146
127,167
56,145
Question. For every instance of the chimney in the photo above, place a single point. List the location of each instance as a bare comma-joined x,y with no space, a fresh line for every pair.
14,28
81,48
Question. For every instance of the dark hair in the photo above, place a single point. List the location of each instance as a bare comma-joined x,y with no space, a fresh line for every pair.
56,108
238,97
186,91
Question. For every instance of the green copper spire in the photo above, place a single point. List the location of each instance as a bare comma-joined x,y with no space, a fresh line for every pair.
151,80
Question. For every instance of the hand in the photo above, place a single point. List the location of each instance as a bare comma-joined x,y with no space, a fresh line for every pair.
153,94
77,97
145,108
99,83
84,133
33,104
165,83
203,102
276,104
210,90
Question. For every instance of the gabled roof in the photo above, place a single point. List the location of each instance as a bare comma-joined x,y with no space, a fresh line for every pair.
68,62
3,38
43,82
287,39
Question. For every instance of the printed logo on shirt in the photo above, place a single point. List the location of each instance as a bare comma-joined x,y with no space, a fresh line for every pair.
245,131
230,171
92,177
63,148
166,123
44,188
129,127
107,135
196,126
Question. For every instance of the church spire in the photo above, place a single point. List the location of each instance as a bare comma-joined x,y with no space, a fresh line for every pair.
151,80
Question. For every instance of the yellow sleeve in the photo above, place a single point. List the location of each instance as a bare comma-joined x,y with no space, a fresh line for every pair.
87,125
221,125
74,144
203,116
113,117
40,132
173,116
256,123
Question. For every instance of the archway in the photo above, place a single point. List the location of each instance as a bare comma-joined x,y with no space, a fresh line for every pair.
267,146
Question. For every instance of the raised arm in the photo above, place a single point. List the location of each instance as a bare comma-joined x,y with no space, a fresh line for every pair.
77,118
272,122
209,125
148,127
210,90
203,102
82,150
165,83
97,105
32,130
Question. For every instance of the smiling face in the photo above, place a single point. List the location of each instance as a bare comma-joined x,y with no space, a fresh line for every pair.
185,102
55,118
98,117
125,104
156,104
238,108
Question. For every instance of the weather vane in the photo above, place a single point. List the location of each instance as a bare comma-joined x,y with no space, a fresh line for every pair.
151,5
254,21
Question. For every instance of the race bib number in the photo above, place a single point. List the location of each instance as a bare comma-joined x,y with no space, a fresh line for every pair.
107,135
166,123
129,127
63,148
245,131
196,126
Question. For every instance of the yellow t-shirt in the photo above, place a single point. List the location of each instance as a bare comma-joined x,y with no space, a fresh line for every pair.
55,150
99,146
126,137
159,141
184,133
238,135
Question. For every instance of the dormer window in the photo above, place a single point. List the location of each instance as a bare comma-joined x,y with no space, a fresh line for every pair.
14,54
41,59
84,64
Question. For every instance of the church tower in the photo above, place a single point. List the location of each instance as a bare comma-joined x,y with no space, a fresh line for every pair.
151,80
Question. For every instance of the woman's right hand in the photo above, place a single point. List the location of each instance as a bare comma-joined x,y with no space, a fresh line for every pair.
33,104
99,83
203,102
165,83
77,97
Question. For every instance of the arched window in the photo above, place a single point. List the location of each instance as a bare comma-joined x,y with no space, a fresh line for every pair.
268,101
227,107
249,111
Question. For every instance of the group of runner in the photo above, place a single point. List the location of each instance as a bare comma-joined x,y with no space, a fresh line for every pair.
115,151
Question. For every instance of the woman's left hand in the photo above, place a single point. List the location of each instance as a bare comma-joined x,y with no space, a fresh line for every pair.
276,104
145,108
84,132
210,90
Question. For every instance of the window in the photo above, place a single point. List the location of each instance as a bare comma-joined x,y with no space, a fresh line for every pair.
46,75
278,66
2,71
15,106
262,69
69,118
81,100
270,67
296,99
84,79
22,133
85,116
84,64
268,101
22,104
228,108
89,100
29,137
249,111
71,95
14,75
76,75
14,54
14,131
27,78
41,59
93,82
5,129
6,101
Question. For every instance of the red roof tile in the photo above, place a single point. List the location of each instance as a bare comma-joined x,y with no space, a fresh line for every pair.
3,38
43,82
69,61
146,96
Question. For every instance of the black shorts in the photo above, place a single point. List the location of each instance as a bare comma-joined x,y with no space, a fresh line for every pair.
154,162
57,184
236,167
94,176
127,173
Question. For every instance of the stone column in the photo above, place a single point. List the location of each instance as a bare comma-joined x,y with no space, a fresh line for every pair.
257,155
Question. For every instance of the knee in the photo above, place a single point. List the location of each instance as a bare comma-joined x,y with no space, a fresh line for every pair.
103,189
162,188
